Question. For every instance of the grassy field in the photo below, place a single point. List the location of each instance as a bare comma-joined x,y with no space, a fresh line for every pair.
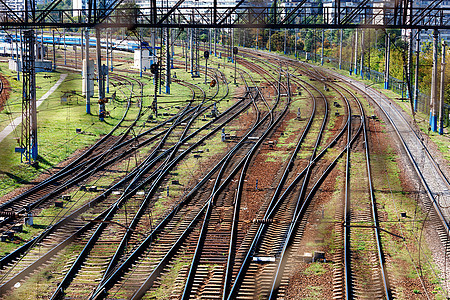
57,124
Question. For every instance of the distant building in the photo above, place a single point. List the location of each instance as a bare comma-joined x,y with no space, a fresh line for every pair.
78,5
194,4
427,36
19,5
16,5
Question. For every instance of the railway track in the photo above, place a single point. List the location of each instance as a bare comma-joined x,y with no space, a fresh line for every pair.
10,258
224,235
159,267
203,128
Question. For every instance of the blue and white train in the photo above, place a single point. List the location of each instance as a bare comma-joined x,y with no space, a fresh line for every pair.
8,43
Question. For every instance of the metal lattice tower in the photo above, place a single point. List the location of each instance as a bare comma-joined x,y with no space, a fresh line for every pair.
29,119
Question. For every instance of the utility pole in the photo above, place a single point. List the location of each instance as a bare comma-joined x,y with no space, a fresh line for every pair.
111,53
191,51
340,50
215,41
441,103
409,38
257,38
54,50
18,59
140,52
81,49
285,34
107,58
315,45
101,93
153,47
232,44
172,47
186,42
295,43
86,75
387,61
206,55
321,52
167,61
65,50
351,60
416,75
362,54
101,77
235,51
433,106
42,44
28,141
356,52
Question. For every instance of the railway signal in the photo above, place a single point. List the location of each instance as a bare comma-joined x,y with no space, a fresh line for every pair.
206,55
154,70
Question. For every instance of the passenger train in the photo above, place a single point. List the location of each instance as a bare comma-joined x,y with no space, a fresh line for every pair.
8,43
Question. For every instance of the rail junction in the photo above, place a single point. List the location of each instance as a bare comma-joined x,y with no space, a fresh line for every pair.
256,175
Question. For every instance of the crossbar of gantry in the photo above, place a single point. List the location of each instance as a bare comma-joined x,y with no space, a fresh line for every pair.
239,16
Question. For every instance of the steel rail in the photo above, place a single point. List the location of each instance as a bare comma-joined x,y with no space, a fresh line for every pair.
430,194
233,233
270,212
277,280
141,291
101,197
18,253
68,170
387,290
144,244
347,262
133,224
381,260
152,190
94,238
211,202
386,286
242,140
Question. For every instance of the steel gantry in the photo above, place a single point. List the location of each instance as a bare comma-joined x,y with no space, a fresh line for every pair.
400,14
404,14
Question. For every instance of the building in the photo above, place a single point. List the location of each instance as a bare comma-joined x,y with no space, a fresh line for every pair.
16,5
